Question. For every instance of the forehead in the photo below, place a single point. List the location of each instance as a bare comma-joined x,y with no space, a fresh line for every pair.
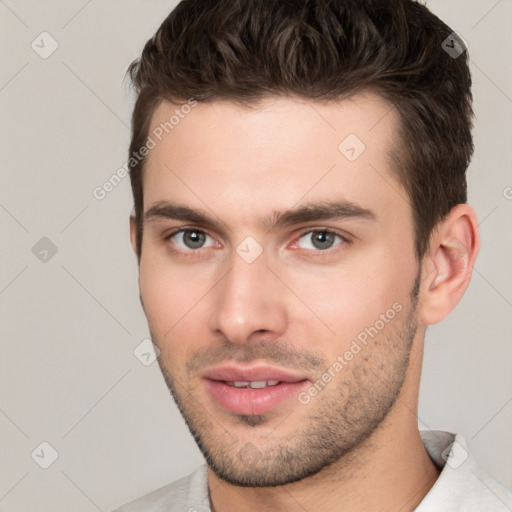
245,160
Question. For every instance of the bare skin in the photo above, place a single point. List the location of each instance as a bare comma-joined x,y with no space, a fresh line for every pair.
301,303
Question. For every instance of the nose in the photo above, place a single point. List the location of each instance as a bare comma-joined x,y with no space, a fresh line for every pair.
249,301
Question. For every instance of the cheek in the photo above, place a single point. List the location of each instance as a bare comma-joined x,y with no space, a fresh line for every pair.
166,286
161,289
343,306
172,297
343,301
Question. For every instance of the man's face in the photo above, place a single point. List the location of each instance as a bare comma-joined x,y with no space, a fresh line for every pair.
284,339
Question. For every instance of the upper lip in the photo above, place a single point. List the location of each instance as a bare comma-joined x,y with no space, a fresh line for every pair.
233,373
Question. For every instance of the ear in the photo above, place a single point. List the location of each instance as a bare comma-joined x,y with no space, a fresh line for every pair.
448,264
133,233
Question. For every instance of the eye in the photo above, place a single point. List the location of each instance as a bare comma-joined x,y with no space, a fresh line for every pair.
320,239
189,239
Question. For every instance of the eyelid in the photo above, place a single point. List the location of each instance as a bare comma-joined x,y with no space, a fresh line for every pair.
175,231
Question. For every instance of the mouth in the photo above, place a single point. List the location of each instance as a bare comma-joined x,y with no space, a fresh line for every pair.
252,390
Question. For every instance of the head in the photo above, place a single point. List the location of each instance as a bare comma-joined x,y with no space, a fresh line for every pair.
315,152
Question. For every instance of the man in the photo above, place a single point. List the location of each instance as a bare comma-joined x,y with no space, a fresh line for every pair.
298,171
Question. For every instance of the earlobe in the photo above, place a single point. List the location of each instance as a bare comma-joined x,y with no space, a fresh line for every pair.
449,263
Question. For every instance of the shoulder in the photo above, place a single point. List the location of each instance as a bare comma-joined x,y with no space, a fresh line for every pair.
462,485
188,494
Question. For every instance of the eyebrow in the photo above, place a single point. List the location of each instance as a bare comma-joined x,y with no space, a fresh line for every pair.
321,211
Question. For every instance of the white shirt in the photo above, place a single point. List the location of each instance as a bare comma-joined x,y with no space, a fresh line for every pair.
462,485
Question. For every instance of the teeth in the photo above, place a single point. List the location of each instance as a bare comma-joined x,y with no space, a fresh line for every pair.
241,384
259,384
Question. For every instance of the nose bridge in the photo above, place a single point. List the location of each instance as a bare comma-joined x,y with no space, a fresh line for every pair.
247,300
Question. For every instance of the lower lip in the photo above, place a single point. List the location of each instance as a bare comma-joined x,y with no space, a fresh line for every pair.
250,401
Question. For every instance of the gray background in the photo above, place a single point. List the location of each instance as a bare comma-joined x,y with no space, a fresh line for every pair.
70,324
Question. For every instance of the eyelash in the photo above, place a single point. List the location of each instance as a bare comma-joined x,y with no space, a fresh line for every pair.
196,252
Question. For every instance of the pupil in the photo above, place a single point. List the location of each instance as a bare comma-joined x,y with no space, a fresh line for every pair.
323,240
194,239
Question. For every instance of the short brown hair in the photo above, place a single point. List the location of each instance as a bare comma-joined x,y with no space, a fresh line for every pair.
324,50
